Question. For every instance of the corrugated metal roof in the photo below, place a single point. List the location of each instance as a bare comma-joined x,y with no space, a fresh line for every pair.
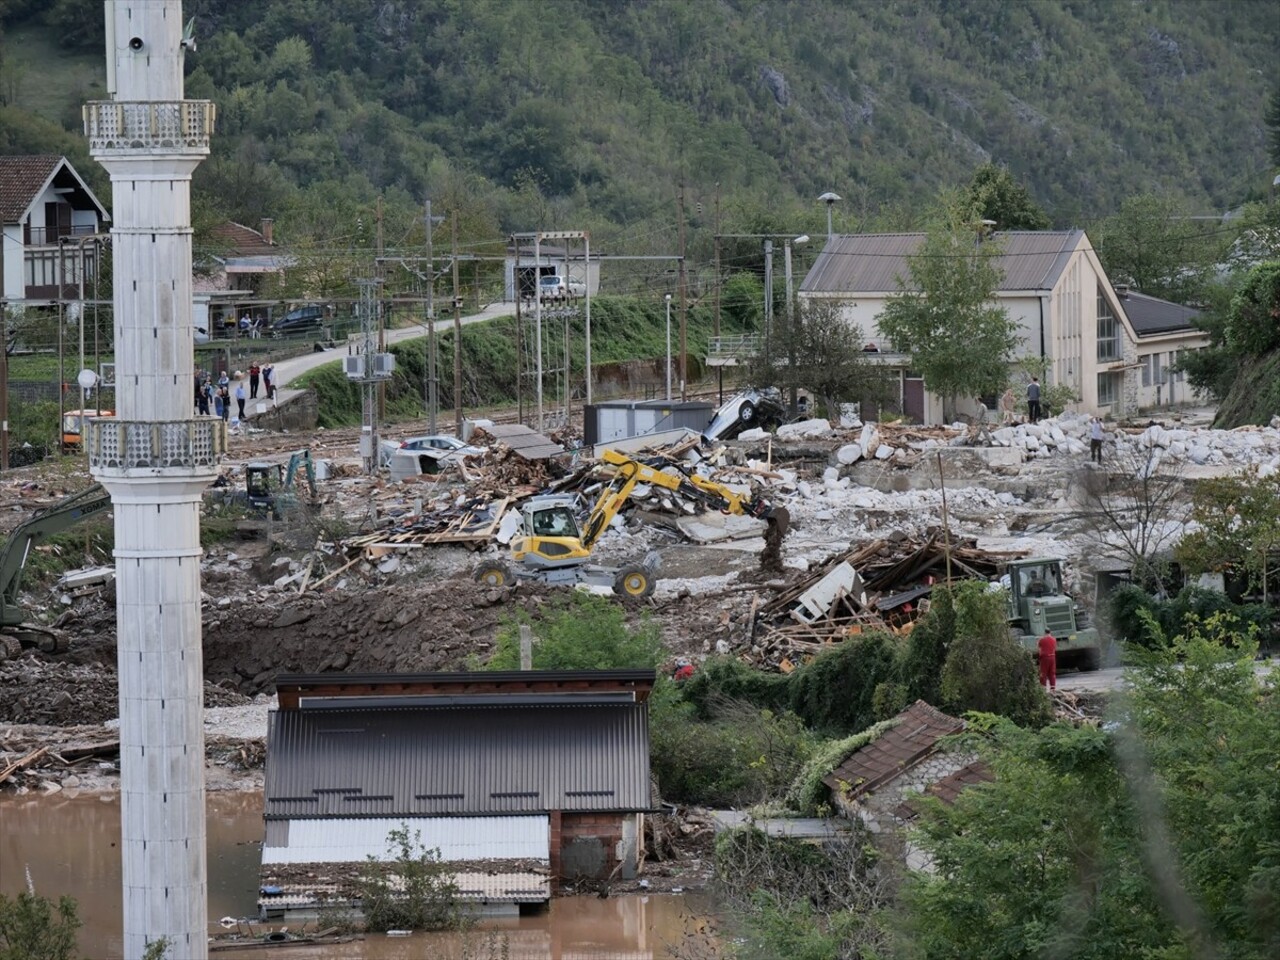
523,441
457,760
899,748
353,840
1151,315
866,263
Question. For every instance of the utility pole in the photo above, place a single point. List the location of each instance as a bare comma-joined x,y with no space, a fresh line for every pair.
515,291
382,333
684,307
791,327
537,319
368,407
719,278
457,338
433,388
586,277
768,297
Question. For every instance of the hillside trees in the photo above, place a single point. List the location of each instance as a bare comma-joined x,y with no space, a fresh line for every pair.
945,315
1241,368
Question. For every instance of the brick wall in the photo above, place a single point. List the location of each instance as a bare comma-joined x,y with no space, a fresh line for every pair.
595,845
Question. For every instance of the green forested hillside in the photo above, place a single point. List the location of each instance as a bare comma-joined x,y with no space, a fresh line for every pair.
544,113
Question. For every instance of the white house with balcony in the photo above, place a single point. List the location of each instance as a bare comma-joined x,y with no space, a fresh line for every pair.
47,211
1115,348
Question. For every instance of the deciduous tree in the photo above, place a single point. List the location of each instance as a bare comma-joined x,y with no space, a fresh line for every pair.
1153,245
1237,527
823,353
946,317
997,196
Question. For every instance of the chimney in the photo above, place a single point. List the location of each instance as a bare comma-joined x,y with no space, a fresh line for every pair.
267,223
1122,291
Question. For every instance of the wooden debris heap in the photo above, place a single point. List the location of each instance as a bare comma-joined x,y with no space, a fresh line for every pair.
894,577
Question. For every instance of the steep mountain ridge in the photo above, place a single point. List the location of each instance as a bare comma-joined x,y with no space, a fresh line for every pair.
594,111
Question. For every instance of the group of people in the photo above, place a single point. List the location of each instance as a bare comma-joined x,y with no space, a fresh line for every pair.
250,327
213,397
1097,433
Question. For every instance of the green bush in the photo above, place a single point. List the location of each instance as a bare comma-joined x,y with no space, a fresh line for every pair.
1144,621
742,757
580,631
800,900
835,692
987,669
411,890
32,927
722,678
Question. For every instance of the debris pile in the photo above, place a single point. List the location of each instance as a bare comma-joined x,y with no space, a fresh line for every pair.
38,691
883,585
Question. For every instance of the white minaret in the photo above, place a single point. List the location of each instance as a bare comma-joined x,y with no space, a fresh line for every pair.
155,458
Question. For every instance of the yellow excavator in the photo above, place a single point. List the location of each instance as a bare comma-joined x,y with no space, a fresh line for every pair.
551,548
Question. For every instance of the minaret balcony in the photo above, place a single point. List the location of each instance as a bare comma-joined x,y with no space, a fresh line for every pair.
156,445
163,126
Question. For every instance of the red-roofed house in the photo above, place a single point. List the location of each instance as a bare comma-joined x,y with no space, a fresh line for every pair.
45,210
905,760
241,257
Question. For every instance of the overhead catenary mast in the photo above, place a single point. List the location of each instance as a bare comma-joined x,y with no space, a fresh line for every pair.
155,458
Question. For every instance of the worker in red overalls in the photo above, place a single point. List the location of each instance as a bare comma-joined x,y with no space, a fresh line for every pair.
1048,647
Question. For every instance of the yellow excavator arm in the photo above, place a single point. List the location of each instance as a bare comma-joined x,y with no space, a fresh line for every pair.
629,473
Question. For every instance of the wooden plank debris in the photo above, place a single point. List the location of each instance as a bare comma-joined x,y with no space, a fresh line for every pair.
17,765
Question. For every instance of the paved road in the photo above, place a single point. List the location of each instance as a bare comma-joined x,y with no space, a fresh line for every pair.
290,370
1109,678
1112,678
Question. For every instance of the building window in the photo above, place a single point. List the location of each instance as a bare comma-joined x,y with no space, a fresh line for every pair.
1108,389
1108,330
1146,369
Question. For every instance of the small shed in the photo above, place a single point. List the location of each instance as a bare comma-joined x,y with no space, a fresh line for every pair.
626,419
873,781
520,779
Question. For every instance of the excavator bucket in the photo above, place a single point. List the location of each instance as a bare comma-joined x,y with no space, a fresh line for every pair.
781,520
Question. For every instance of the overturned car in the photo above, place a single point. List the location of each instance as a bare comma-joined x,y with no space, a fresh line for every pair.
763,407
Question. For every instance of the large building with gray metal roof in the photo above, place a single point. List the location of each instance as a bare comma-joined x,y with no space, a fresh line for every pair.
1117,349
522,779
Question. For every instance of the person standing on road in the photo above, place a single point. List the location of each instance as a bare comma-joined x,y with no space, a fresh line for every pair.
1033,400
1048,654
240,398
254,372
224,395
1096,436
268,388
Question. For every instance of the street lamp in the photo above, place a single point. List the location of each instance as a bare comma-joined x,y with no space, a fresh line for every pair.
668,299
829,199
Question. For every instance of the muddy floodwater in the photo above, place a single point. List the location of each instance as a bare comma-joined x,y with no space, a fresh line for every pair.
71,845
